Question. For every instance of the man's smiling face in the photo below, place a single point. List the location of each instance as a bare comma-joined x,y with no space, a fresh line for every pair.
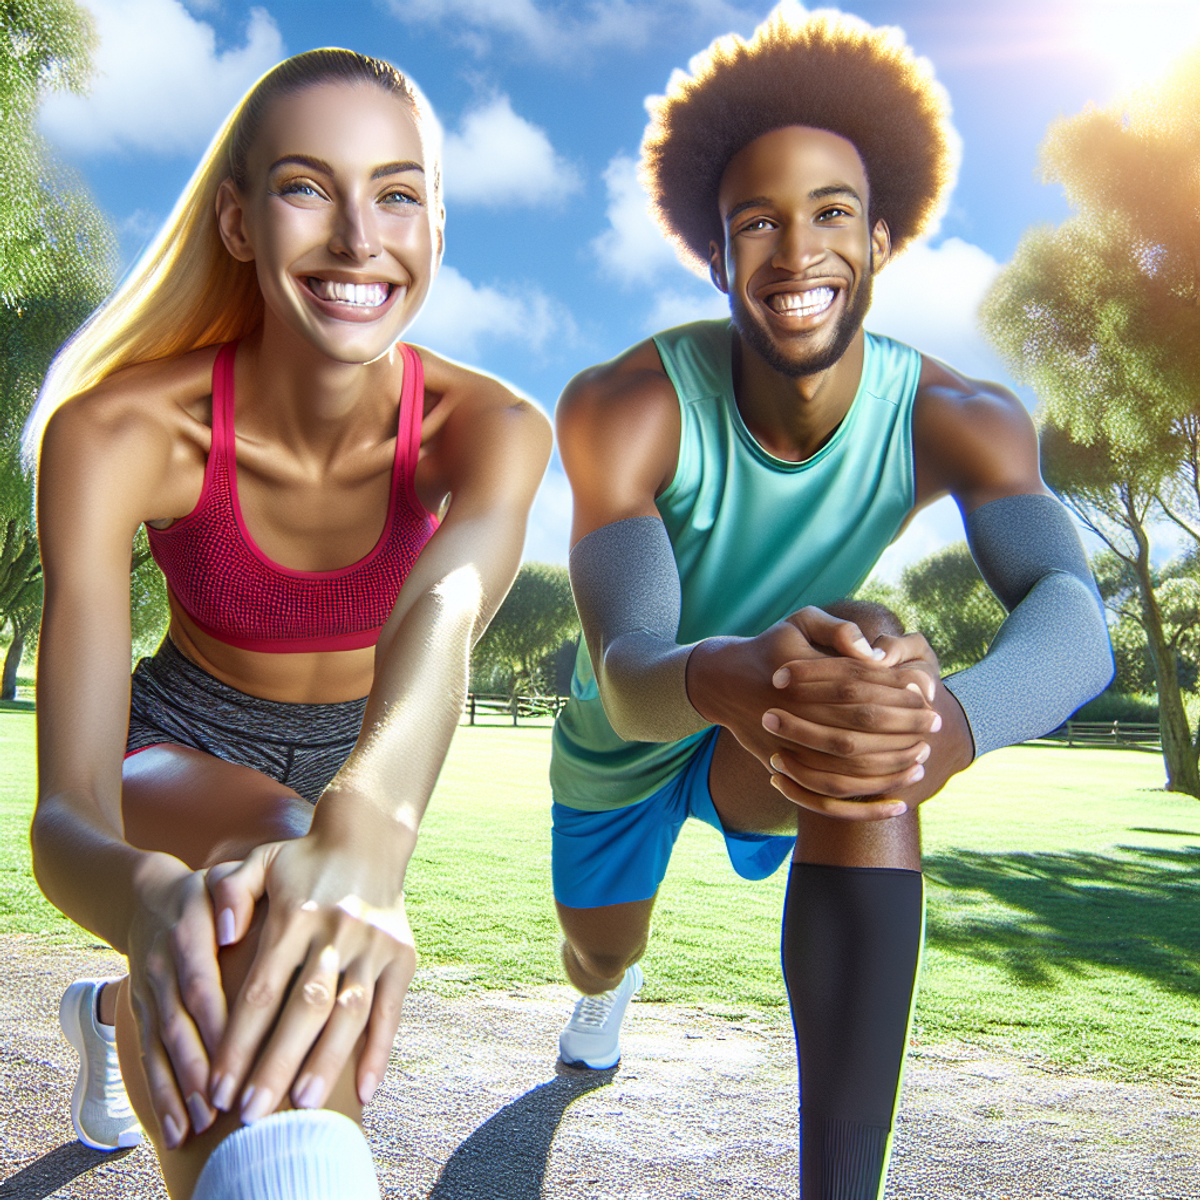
799,252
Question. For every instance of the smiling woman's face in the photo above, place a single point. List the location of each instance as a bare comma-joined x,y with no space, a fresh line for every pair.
337,217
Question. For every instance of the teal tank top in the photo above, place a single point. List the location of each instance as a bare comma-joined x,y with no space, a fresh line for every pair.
755,537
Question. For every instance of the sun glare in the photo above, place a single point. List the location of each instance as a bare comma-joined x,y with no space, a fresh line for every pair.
1138,38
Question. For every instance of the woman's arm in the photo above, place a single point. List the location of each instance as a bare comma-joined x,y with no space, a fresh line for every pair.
106,464
336,896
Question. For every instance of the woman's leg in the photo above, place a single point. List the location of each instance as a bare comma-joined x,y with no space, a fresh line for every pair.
204,811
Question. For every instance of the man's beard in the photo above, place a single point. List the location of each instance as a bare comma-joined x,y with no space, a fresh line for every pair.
849,323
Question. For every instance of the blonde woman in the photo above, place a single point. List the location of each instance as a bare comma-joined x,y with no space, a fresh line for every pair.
337,516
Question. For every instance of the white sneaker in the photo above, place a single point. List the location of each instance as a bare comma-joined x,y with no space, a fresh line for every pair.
592,1037
100,1109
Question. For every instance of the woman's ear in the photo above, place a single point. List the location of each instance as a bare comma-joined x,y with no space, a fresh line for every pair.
231,222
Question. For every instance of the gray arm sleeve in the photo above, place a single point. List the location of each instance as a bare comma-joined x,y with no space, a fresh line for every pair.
1052,653
627,591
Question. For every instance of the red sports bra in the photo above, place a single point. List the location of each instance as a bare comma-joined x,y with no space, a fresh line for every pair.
233,592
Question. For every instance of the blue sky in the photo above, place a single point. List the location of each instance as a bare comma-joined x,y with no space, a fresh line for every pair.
551,264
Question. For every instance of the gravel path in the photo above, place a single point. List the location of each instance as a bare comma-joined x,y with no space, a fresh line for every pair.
702,1107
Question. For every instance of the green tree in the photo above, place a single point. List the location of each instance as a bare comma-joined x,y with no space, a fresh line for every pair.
1101,315
951,605
57,261
1177,594
537,616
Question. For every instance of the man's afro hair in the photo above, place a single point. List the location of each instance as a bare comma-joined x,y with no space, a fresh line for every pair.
821,69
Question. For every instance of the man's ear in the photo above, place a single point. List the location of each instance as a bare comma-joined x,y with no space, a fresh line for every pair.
231,222
716,267
881,245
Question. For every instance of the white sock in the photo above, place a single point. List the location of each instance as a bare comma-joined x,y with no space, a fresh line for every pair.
302,1154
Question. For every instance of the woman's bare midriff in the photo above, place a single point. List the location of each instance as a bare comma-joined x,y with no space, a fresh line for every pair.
313,678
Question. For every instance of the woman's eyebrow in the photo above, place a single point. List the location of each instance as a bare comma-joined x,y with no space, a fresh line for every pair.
319,164
302,160
396,168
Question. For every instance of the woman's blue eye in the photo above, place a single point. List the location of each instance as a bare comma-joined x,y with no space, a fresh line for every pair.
296,189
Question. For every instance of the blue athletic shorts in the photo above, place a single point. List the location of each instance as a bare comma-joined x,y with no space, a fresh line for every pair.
619,855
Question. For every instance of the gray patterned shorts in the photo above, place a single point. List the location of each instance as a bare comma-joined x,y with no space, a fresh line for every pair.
174,702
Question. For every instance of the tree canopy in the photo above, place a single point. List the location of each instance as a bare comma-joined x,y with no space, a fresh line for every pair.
536,618
57,261
1101,316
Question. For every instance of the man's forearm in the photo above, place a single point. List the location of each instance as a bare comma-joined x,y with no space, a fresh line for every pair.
1052,654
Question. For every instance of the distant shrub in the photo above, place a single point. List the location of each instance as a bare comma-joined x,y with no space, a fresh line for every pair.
1118,706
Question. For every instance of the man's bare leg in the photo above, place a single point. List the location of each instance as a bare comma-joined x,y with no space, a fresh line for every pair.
602,943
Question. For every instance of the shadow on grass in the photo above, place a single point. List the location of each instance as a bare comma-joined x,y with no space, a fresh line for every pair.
1138,913
505,1158
54,1170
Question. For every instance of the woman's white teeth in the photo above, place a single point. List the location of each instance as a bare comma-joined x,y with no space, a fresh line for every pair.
802,304
368,295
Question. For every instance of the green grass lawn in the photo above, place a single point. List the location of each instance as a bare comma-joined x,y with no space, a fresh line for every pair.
1063,900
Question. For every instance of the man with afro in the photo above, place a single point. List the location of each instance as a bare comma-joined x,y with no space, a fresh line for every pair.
733,481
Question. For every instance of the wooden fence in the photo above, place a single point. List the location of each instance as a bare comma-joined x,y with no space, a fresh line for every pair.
510,710
1137,735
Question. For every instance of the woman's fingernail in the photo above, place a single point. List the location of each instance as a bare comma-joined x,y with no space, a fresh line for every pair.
776,783
310,1092
256,1103
198,1109
328,960
923,754
222,1092
937,723
864,647
877,654
226,930
172,1133
916,774
897,810
776,763
782,677
366,1089
771,722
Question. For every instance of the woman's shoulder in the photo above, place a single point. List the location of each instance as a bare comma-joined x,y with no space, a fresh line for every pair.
159,397
145,422
451,387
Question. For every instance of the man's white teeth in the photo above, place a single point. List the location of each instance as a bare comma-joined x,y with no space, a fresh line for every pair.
802,304
366,295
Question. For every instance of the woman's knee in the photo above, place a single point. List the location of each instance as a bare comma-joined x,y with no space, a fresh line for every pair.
204,810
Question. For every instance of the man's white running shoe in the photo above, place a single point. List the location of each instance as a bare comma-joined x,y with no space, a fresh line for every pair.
100,1109
592,1037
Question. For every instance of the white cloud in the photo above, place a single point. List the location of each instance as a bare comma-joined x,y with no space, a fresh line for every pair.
458,316
631,249
498,157
677,307
558,30
141,225
929,297
160,85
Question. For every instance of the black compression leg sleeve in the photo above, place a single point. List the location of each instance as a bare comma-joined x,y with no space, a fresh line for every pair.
851,945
